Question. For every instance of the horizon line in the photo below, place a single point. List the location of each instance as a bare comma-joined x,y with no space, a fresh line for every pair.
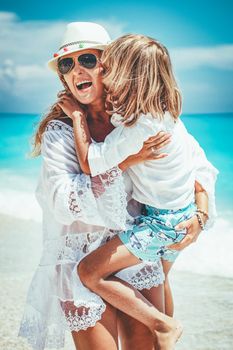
184,113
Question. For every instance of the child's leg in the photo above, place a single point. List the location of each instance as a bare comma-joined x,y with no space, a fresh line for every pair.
169,305
133,334
94,271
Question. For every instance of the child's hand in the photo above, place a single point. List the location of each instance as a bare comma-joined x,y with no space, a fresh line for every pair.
70,106
149,151
151,147
193,230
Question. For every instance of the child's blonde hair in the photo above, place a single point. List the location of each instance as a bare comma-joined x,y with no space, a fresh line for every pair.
139,78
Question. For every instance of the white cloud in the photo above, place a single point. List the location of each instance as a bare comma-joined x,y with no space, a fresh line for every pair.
25,47
7,16
218,57
114,28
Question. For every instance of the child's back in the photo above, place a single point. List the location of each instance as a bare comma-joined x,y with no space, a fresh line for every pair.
166,183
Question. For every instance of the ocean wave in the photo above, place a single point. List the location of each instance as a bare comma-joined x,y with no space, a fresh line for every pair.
19,204
17,195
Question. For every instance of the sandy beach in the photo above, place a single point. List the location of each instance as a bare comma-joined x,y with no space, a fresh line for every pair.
203,303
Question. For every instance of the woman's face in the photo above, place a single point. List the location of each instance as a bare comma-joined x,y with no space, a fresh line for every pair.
85,84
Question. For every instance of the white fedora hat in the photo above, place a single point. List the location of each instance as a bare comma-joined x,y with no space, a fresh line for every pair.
80,36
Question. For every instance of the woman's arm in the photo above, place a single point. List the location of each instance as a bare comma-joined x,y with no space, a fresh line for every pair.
192,225
201,199
70,195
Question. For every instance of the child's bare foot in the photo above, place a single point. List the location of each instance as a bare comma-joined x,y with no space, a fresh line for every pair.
166,336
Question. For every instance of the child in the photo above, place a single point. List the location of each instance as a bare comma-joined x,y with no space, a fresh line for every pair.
142,89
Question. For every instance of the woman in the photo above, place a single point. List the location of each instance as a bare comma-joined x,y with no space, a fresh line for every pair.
80,214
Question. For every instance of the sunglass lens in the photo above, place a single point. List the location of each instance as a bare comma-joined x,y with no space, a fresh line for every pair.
65,65
87,60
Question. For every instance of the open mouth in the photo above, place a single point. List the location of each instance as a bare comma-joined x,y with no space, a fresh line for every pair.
84,85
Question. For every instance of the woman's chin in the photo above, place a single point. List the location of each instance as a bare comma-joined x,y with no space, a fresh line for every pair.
85,97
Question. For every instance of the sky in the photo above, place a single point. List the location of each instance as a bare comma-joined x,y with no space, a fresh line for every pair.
198,34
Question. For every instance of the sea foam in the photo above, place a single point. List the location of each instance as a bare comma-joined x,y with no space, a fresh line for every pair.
17,196
211,254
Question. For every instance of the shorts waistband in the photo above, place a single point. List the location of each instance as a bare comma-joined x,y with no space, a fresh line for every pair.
158,211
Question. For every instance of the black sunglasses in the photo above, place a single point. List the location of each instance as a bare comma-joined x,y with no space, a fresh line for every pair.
87,60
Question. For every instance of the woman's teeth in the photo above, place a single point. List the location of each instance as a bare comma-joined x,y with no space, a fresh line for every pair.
84,85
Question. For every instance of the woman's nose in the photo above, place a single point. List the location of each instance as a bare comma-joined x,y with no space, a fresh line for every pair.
78,69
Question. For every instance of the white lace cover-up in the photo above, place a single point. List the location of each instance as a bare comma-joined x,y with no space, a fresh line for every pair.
80,214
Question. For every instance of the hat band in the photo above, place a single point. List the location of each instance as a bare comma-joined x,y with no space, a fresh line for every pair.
80,42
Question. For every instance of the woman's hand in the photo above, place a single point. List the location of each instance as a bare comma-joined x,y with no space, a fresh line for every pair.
149,151
193,230
70,106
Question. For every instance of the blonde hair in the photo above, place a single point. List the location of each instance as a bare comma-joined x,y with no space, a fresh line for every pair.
139,78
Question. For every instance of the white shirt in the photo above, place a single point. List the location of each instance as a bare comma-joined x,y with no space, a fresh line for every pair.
166,183
80,214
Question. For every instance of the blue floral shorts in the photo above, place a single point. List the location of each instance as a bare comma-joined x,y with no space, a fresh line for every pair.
153,232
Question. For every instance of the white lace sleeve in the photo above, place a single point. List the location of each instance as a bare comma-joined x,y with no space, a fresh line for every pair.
205,175
109,190
72,195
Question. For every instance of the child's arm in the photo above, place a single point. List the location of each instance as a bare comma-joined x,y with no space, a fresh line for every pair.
141,150
82,136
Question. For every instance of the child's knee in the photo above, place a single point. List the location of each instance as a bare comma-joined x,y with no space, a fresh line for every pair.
87,274
83,270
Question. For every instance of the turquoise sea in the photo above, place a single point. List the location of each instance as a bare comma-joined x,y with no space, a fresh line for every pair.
19,175
202,278
213,132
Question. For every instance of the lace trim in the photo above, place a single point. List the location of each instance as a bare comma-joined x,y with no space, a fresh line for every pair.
73,247
83,316
110,176
113,203
41,335
58,125
74,208
150,275
73,244
79,196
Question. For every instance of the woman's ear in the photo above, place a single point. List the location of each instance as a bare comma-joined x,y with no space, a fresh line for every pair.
69,93
102,71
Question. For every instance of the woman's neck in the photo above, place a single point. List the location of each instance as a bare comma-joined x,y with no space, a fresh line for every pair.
98,122
96,113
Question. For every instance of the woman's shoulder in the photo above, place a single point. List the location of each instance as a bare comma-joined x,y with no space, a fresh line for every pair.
59,132
59,125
